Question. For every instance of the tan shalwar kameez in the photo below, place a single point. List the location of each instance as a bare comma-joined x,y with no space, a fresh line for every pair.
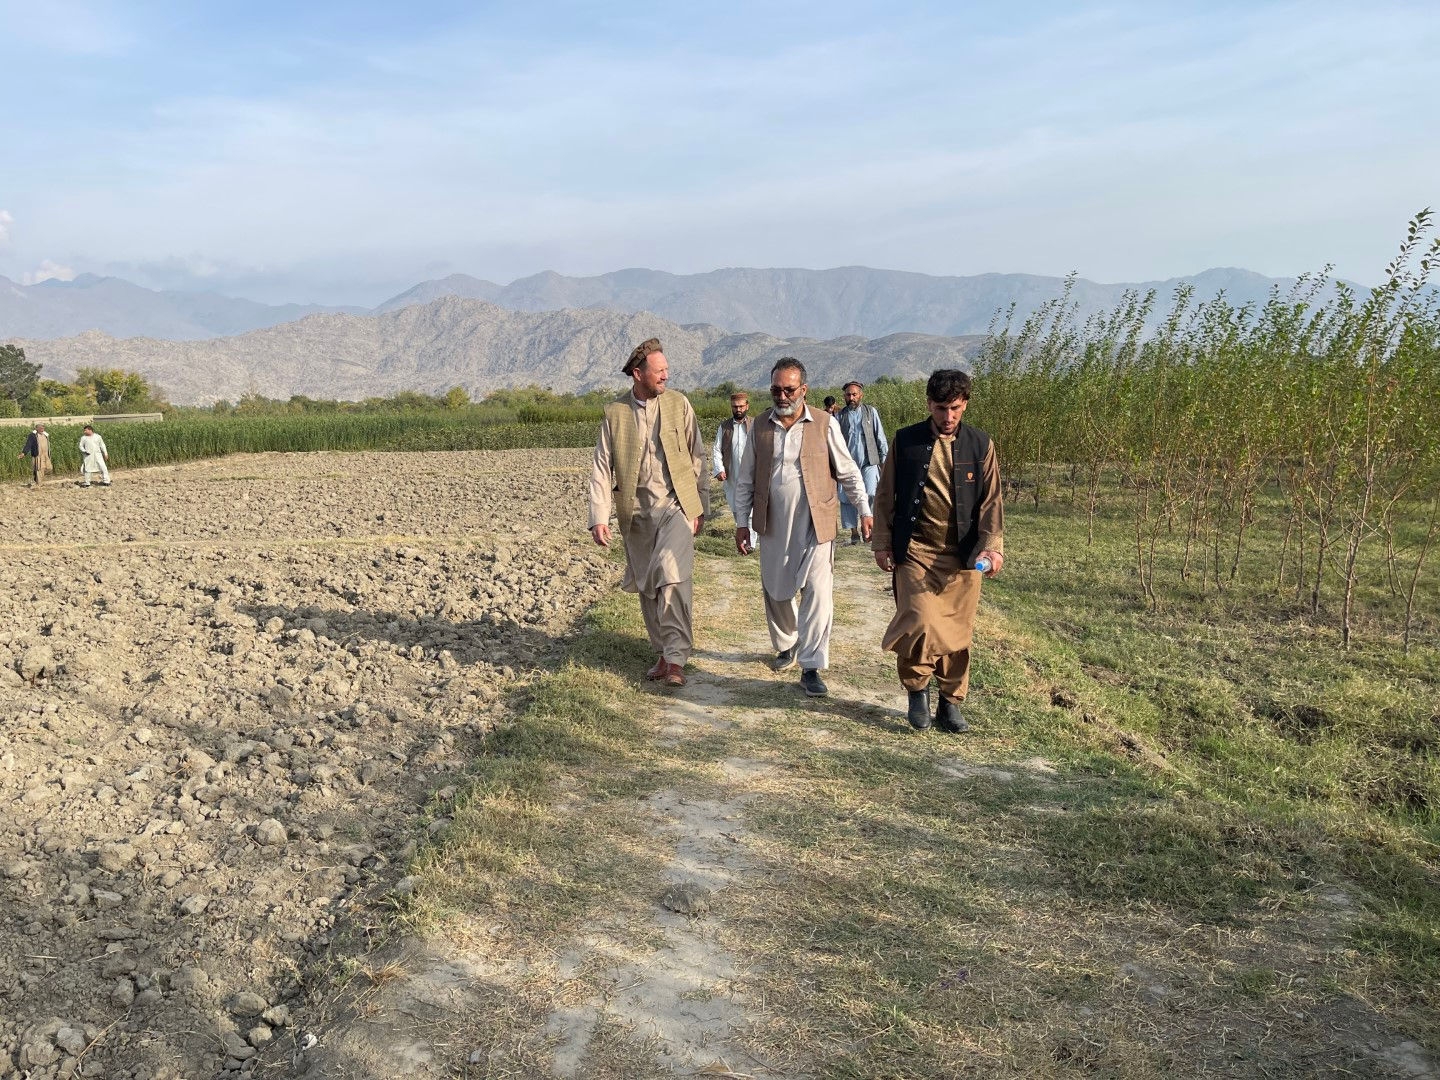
41,465
660,544
935,596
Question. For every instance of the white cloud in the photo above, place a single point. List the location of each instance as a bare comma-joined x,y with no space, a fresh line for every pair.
47,271
1121,144
6,220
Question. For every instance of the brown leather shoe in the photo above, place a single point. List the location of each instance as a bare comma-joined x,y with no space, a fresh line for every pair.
674,675
658,671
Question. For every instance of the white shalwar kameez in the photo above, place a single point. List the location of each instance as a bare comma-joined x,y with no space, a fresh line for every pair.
739,441
92,459
792,561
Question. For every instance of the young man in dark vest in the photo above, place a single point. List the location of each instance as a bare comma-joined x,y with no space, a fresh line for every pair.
649,464
939,528
786,493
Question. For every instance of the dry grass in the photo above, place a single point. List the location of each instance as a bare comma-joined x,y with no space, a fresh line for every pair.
1058,894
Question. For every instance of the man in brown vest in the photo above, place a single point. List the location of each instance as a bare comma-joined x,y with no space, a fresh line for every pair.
649,465
939,528
786,492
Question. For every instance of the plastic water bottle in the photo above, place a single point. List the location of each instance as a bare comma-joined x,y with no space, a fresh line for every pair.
983,565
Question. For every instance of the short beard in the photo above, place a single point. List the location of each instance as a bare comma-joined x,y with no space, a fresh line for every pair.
788,409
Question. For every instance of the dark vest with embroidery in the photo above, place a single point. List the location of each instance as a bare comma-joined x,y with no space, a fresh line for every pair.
911,450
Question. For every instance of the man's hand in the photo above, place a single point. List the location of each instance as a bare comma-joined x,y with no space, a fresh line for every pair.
885,560
742,541
720,476
996,562
601,535
867,526
697,525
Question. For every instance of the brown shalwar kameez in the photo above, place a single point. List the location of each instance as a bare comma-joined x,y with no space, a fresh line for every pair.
935,596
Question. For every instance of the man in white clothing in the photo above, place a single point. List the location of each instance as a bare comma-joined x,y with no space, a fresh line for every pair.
786,492
731,439
93,458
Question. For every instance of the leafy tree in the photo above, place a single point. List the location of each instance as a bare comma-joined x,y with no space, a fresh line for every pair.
256,404
114,389
304,404
456,398
17,375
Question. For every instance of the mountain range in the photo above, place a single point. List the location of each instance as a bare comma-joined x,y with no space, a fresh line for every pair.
53,309
480,346
568,333
822,304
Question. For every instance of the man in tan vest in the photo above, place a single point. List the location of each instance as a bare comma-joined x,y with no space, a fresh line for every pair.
786,492
649,465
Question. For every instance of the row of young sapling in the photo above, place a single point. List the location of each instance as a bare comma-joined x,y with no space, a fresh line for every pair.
1293,444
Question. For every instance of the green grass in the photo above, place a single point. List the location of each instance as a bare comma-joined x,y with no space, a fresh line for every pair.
1237,834
1252,694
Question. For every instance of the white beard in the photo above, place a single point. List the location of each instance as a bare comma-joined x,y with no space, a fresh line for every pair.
788,409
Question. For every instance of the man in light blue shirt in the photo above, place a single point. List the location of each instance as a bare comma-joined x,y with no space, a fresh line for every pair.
865,438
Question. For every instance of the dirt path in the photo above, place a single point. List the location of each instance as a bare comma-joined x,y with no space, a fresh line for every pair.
657,979
664,978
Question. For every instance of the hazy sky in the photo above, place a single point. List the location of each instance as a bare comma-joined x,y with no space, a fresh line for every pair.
340,152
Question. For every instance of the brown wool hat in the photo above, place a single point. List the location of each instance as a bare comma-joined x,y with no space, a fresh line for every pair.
639,353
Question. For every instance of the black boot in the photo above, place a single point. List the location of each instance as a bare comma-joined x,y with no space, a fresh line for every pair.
948,718
919,712
813,684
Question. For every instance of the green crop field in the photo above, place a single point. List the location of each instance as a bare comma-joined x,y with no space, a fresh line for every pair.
137,445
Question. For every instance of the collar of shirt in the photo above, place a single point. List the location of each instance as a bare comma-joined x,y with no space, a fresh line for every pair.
803,418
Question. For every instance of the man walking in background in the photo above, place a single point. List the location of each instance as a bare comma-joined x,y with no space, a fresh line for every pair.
786,493
37,448
730,442
93,458
649,466
865,439
939,528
